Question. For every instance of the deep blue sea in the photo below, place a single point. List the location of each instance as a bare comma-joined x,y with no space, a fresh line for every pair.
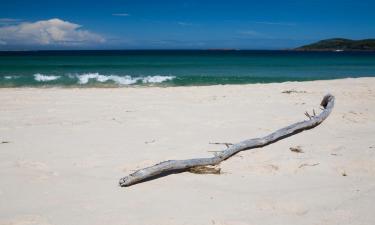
177,67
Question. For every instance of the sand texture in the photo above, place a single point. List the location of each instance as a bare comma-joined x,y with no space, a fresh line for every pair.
63,150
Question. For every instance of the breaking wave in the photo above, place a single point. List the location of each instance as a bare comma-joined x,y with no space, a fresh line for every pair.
157,79
43,78
86,79
122,80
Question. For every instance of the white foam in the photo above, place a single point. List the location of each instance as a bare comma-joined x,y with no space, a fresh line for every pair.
125,80
43,78
156,79
8,77
122,80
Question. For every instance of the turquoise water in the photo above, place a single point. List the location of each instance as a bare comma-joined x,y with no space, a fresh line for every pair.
177,68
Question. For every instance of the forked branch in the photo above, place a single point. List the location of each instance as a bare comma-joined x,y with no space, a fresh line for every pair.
184,165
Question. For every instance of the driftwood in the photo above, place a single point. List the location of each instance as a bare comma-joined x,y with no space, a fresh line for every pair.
185,165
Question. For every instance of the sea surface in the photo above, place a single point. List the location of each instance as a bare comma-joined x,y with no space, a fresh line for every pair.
176,67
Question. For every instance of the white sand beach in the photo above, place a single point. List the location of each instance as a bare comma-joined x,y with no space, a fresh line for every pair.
63,150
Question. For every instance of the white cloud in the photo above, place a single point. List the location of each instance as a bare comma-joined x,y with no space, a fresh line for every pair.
47,32
120,14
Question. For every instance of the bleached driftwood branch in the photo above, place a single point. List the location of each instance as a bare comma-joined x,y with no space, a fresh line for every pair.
183,165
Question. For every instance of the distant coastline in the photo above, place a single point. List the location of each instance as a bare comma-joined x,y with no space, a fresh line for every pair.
339,45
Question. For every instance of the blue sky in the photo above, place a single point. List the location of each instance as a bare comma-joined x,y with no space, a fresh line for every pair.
139,24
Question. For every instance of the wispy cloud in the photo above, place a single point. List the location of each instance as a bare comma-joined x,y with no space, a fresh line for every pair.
275,23
5,21
172,43
251,33
9,20
120,14
184,24
54,32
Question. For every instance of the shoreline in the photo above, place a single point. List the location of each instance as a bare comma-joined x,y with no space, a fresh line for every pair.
110,86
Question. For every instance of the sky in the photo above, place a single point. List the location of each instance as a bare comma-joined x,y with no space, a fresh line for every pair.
174,24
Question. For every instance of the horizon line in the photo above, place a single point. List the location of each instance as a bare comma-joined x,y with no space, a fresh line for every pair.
151,49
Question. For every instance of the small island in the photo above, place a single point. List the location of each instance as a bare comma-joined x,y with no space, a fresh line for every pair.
340,44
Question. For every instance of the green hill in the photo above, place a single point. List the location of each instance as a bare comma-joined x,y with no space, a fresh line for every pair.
340,44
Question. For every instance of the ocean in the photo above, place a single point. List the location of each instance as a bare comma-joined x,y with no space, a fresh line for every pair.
124,68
